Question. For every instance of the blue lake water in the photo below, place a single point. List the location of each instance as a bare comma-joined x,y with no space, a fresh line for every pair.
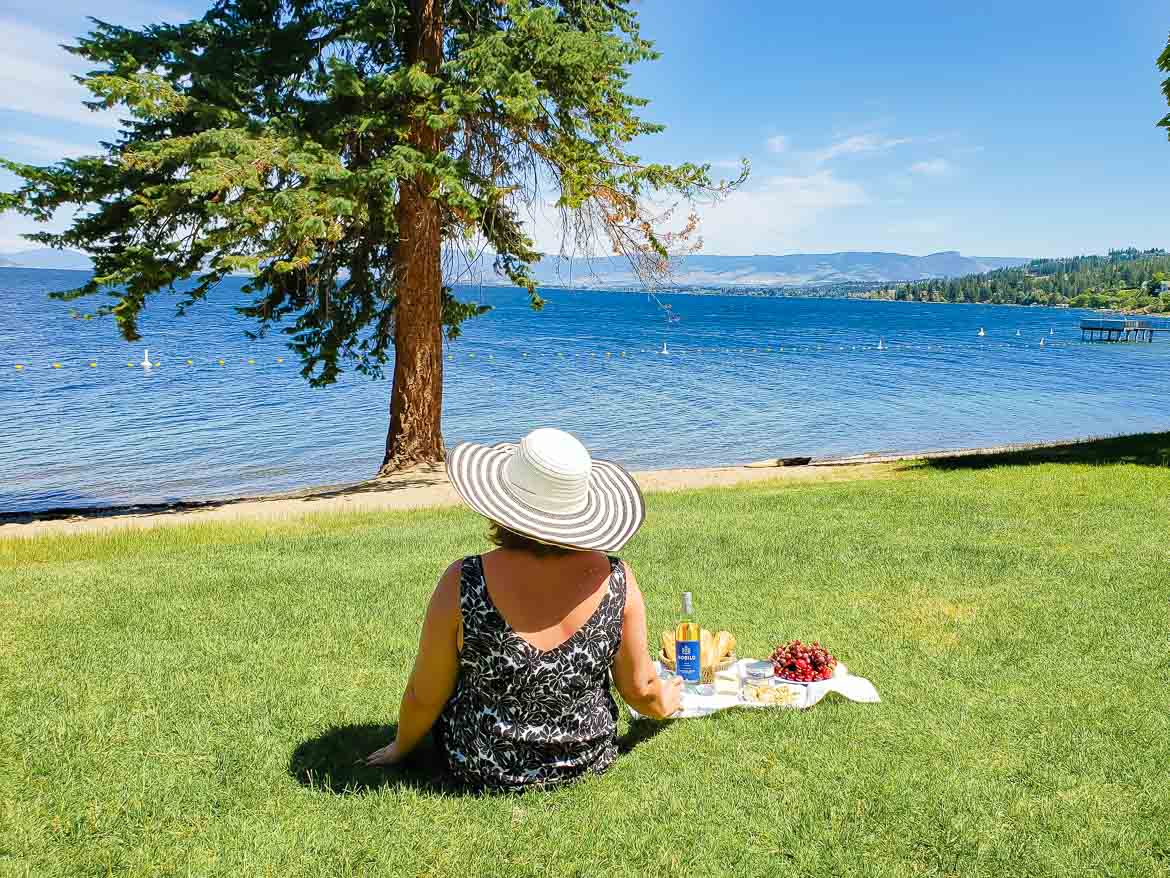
590,362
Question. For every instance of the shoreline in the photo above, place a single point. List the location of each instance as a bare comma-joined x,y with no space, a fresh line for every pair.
757,291
428,488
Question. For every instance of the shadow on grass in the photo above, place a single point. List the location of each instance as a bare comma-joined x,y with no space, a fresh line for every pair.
334,761
1145,449
639,732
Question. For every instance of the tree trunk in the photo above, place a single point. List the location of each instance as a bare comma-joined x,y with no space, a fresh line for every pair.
416,398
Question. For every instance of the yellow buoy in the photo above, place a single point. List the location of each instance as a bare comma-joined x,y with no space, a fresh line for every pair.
280,359
93,365
19,367
56,365
220,362
450,356
251,362
130,365
190,362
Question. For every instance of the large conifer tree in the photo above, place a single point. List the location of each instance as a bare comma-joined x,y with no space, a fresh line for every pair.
336,149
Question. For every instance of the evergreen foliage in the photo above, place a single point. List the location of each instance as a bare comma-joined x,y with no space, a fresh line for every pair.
1164,65
1130,279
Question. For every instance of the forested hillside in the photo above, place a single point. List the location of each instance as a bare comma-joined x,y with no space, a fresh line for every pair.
1129,280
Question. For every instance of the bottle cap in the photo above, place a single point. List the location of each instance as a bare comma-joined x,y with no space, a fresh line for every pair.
687,606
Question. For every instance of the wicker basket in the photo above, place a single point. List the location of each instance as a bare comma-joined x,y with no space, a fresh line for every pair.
706,675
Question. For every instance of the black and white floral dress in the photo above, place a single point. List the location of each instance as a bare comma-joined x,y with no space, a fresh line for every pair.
524,717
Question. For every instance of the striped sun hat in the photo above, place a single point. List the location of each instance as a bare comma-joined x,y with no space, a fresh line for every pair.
548,488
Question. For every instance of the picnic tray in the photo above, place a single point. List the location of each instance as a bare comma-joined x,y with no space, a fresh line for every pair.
805,695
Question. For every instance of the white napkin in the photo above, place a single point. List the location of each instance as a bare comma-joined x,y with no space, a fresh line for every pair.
807,694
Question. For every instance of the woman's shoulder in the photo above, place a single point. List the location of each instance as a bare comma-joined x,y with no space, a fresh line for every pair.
450,583
455,569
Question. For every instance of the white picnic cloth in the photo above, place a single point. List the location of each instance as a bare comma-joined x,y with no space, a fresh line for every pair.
806,694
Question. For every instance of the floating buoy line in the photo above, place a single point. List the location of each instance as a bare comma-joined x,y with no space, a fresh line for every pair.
149,365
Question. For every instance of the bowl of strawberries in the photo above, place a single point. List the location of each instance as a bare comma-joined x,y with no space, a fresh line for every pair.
797,662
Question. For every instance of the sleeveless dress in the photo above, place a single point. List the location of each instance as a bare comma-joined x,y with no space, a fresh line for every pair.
523,717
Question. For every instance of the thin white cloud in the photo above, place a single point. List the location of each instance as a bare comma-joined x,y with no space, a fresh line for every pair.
13,226
935,230
44,150
820,190
776,215
37,76
933,168
857,145
72,16
726,164
777,143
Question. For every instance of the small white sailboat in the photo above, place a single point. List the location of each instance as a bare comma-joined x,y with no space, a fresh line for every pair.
1041,341
146,364
982,332
881,344
1052,331
1017,333
664,351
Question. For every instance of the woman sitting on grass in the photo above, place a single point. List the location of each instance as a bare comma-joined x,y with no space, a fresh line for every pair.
513,666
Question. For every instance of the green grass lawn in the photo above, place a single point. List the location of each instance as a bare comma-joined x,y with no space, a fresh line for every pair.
191,700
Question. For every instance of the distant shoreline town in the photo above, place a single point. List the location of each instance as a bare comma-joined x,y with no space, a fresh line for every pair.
1129,281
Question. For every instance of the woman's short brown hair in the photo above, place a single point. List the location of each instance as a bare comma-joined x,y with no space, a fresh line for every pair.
509,539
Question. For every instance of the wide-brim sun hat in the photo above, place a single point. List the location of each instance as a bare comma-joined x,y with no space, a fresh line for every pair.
549,488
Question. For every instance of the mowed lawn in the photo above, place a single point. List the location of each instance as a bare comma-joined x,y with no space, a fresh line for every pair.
192,700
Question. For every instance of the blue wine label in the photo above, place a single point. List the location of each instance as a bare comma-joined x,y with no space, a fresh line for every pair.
686,660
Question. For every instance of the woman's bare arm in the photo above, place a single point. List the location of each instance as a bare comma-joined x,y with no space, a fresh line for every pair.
436,667
633,671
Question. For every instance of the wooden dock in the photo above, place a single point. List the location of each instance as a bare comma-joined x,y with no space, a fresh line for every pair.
1119,330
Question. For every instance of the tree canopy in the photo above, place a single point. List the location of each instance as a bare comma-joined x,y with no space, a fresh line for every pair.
334,150
273,137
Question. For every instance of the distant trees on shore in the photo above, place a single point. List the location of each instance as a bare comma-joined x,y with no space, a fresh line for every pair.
1130,279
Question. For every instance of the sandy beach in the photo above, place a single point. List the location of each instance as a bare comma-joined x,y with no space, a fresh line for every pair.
416,489
429,487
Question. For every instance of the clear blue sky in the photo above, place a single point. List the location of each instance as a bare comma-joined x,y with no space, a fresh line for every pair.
999,129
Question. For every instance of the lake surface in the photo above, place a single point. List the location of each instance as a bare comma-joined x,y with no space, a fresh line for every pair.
113,434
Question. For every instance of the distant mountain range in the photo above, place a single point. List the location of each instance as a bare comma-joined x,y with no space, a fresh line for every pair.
46,257
798,269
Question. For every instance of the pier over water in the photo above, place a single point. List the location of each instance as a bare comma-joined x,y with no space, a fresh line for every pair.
1119,330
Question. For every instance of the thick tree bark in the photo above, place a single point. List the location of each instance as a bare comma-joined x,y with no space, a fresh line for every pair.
416,398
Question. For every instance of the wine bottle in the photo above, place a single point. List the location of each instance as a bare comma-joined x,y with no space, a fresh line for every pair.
686,643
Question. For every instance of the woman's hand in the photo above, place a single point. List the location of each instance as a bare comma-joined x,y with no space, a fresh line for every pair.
671,695
388,755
